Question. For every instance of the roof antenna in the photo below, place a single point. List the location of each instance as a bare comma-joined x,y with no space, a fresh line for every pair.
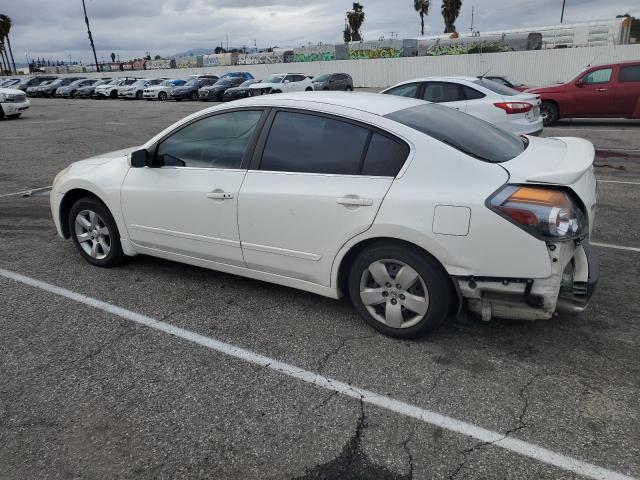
485,73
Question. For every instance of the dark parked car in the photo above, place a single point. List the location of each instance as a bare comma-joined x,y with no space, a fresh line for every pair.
508,82
216,91
189,91
333,81
604,91
245,75
50,89
241,91
33,81
89,90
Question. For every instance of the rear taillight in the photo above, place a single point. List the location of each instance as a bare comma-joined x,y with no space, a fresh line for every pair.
546,213
514,107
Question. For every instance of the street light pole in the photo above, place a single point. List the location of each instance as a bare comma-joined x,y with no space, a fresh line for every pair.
562,14
86,20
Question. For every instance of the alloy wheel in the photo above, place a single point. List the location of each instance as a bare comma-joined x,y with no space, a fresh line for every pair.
394,293
92,234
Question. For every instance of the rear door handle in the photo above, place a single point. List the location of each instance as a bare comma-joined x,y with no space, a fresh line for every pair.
355,201
220,195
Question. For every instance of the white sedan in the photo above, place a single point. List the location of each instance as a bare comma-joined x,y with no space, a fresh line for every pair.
282,83
408,208
162,90
493,102
13,102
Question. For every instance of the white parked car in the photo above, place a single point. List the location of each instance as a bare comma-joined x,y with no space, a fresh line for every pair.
283,83
407,207
110,90
162,90
13,102
495,103
136,89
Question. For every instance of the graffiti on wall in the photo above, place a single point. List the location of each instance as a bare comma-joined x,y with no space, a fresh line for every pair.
464,49
384,52
263,58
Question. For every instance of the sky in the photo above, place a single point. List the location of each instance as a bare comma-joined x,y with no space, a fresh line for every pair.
55,29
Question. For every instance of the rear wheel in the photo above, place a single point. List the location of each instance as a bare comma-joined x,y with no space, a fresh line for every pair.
308,89
194,96
549,113
14,116
73,94
399,290
113,94
349,88
94,233
162,96
139,95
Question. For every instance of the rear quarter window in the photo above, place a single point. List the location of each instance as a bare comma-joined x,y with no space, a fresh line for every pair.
629,74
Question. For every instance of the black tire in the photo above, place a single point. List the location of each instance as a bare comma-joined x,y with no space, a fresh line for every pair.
549,112
308,89
435,278
349,88
194,96
73,94
162,96
139,95
14,116
115,256
113,94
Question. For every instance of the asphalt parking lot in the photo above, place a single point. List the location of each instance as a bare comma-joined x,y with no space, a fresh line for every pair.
89,391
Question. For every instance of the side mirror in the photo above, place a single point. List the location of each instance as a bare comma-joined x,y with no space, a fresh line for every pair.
140,158
580,82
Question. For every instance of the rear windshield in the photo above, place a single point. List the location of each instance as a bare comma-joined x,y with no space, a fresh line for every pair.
496,87
463,132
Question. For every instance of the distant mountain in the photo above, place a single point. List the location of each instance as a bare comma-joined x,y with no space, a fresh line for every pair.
193,51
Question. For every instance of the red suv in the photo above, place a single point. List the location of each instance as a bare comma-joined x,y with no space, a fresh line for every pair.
611,91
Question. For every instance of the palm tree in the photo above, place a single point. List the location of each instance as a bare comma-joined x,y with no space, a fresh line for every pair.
113,57
450,11
5,28
422,7
355,18
3,67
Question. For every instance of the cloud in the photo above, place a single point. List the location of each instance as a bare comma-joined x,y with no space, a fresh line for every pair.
55,29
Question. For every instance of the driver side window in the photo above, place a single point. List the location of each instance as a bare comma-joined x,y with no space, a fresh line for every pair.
597,76
219,141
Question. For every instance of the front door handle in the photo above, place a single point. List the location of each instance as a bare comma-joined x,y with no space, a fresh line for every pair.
602,89
354,201
220,195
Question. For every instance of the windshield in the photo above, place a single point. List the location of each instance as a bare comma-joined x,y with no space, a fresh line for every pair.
77,82
139,83
322,78
167,83
191,83
273,79
496,87
248,82
463,132
223,81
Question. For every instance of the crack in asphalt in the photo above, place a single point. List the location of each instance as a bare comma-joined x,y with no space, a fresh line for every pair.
343,342
405,445
521,424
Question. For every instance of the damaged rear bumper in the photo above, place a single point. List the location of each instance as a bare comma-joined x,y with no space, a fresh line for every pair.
574,277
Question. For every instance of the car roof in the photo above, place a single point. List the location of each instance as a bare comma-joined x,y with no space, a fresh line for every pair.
612,64
374,103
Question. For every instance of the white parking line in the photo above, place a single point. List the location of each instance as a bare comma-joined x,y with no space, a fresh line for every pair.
619,181
520,447
616,247
27,192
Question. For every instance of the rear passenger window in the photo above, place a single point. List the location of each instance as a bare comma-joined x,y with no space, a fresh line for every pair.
629,74
385,156
305,143
441,92
472,93
408,90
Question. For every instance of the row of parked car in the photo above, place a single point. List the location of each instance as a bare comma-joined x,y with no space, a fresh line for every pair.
608,91
230,86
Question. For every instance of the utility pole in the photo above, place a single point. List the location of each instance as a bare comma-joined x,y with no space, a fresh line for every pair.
473,11
93,47
227,42
562,14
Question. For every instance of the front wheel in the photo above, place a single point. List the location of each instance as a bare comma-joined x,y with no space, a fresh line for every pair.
14,116
308,89
399,290
94,233
349,88
194,96
139,95
549,113
113,95
162,96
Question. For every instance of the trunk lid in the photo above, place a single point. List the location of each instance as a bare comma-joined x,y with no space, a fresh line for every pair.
562,161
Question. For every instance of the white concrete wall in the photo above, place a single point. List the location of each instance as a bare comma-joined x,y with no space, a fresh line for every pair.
540,67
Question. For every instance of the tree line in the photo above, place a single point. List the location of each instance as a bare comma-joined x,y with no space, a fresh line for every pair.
450,9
